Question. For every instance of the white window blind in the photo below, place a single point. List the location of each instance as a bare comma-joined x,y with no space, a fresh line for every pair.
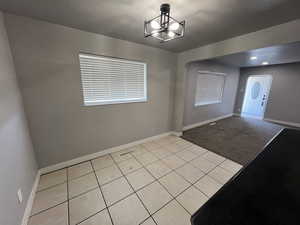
108,80
209,89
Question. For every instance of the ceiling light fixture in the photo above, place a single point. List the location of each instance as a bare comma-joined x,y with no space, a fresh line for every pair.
265,63
164,27
253,58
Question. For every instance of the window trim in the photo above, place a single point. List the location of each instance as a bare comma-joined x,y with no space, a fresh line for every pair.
116,101
207,103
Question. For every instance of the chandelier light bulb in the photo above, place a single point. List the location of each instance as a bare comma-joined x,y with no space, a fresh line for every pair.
155,24
171,34
174,26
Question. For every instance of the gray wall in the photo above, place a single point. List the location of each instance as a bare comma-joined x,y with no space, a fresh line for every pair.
276,35
284,98
195,114
17,162
46,57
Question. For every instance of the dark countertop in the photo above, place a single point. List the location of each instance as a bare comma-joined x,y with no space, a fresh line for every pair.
265,192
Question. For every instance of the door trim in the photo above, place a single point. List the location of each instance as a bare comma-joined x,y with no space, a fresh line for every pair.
267,98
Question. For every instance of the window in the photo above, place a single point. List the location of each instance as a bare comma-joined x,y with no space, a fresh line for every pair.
108,80
209,89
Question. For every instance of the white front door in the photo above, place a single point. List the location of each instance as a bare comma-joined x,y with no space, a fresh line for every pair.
256,96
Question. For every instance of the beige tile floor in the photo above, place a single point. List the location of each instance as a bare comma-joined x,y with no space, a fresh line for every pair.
162,182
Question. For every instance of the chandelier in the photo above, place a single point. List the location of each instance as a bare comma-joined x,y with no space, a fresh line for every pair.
164,27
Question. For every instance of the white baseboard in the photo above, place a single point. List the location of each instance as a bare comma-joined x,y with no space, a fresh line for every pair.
206,122
175,133
103,152
276,121
30,200
252,117
283,122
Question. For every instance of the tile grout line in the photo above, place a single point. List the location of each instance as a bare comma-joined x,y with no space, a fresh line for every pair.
161,159
186,162
121,198
52,186
91,216
67,183
85,161
158,159
51,207
91,172
118,151
205,174
106,206
156,179
135,192
82,193
90,160
85,193
148,151
80,176
174,170
174,198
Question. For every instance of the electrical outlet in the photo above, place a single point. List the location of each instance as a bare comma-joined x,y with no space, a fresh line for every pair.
20,196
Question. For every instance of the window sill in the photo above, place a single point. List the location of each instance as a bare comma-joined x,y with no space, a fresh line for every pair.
207,103
114,102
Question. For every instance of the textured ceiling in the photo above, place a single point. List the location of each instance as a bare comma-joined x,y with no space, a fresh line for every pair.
207,21
273,55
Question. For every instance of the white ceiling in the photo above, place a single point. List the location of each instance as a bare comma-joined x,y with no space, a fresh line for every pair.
207,21
288,53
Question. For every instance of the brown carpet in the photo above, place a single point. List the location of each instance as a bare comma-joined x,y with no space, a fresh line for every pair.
236,138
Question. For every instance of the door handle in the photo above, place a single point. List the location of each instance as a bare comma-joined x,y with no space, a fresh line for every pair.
263,100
